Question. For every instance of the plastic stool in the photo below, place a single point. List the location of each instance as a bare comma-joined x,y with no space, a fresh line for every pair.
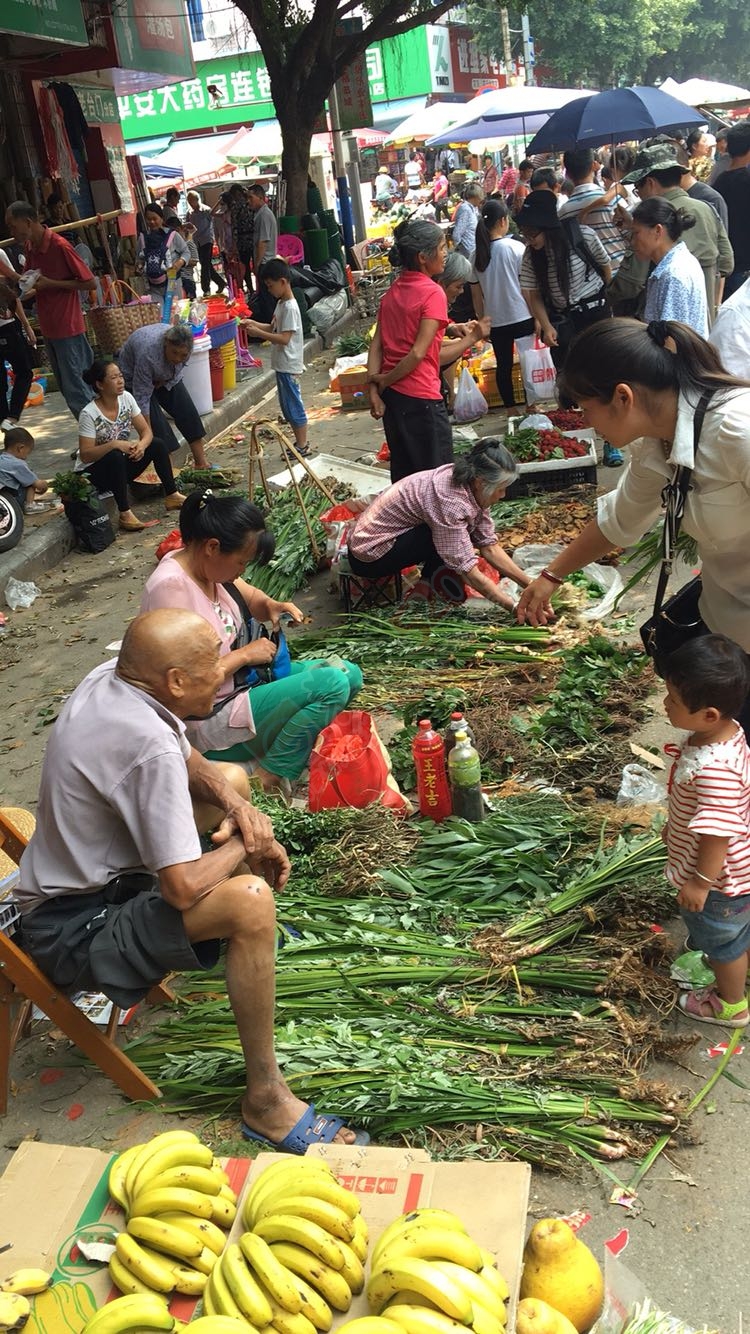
360,593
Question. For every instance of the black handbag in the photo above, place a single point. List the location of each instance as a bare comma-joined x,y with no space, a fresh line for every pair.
91,523
677,620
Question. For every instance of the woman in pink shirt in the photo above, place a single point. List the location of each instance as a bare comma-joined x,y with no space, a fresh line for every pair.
404,359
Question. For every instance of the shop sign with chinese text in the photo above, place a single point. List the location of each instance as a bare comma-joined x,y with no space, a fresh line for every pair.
49,20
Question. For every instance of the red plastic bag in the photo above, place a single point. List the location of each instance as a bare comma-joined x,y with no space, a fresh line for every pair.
350,766
172,542
384,454
484,568
337,514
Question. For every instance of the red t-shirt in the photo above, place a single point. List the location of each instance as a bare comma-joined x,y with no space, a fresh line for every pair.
412,298
59,308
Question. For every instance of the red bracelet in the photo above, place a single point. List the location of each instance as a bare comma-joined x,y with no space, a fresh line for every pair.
553,578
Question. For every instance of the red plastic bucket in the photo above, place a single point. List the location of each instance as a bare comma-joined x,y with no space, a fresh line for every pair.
216,368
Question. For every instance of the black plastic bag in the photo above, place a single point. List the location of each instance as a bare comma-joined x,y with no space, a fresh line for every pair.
91,524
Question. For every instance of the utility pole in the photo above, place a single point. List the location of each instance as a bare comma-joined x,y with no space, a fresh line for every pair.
529,57
507,51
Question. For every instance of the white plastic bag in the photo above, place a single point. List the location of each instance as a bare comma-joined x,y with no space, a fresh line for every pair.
533,559
19,594
470,402
328,310
639,787
536,421
346,364
539,374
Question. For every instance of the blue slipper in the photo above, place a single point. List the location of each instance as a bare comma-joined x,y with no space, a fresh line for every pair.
310,1129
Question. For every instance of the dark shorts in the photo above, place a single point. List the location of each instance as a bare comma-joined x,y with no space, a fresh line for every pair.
722,929
121,940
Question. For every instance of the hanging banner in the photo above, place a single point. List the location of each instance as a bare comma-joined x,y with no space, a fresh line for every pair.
50,20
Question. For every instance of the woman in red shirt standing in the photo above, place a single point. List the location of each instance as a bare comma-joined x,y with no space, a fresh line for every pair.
404,360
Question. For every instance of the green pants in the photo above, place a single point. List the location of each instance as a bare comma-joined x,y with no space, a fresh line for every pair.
289,714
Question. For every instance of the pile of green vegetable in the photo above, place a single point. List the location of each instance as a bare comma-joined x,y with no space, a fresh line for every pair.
294,559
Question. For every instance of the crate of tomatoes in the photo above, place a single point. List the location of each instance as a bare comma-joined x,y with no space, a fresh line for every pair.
551,460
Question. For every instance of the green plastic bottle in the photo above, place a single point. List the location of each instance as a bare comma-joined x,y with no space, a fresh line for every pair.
465,774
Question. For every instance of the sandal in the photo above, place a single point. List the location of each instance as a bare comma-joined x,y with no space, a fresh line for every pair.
175,501
312,1128
131,525
694,1005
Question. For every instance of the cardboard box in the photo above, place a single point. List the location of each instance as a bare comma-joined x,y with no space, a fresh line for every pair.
52,1196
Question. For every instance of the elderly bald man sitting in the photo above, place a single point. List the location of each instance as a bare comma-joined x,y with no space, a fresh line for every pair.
115,890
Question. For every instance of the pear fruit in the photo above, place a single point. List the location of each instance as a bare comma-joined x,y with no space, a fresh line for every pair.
536,1317
560,1270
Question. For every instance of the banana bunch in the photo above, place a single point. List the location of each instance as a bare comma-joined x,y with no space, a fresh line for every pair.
428,1277
177,1200
300,1258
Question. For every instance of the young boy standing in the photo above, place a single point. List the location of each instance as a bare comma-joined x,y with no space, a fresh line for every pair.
15,474
708,830
284,333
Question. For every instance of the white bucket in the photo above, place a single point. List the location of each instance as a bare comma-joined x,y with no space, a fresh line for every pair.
197,376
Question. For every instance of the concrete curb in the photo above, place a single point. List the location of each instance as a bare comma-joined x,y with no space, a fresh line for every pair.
42,548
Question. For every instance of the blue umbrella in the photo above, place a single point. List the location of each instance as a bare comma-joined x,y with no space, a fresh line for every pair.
614,116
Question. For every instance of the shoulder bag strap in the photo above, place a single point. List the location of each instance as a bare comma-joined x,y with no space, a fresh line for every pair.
674,496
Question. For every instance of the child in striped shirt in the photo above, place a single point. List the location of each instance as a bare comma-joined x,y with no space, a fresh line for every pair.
708,830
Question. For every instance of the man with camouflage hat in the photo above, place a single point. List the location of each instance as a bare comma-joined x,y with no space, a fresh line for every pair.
658,172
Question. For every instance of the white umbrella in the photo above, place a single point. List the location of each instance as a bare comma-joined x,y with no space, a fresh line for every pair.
263,143
426,122
706,92
505,111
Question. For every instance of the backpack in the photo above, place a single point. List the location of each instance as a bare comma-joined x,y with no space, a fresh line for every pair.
155,249
572,230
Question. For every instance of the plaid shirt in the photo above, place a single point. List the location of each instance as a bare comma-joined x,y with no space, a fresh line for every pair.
457,521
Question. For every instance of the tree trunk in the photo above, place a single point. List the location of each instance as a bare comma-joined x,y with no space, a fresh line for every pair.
295,159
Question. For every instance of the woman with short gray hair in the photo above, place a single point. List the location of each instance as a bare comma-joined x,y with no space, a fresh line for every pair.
441,521
152,361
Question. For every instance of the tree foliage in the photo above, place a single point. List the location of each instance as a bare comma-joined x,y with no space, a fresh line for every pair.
605,43
306,51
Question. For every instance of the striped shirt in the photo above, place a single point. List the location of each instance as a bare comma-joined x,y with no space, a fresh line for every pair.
456,519
581,285
601,220
709,793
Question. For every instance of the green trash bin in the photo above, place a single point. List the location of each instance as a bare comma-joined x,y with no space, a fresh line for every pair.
316,247
289,224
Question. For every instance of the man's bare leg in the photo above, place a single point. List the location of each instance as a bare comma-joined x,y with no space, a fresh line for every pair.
242,912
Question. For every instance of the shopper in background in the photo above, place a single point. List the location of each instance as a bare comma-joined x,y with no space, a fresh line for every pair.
171,207
241,238
461,335
523,185
592,205
17,338
62,275
187,232
265,230
161,248
201,217
675,289
489,174
440,191
465,220
734,187
700,150
730,334
404,359
496,292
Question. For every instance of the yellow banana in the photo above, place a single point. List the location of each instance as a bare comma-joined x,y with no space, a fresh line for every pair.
177,1199
202,1229
288,1323
360,1241
319,1211
190,1176
188,1281
223,1212
15,1310
494,1279
317,1185
226,1192
208,1304
422,1276
155,1145
220,1171
484,1323
371,1324
352,1270
126,1282
126,1314
330,1283
271,1272
218,1324
216,1293
152,1269
163,1236
168,1159
301,1232
205,1262
422,1319
283,1173
431,1243
245,1290
416,1217
314,1306
27,1282
481,1294
118,1174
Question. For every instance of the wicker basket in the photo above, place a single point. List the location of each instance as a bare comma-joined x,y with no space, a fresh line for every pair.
111,326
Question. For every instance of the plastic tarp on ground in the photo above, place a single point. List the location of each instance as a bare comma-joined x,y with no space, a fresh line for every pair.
506,111
428,121
707,93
